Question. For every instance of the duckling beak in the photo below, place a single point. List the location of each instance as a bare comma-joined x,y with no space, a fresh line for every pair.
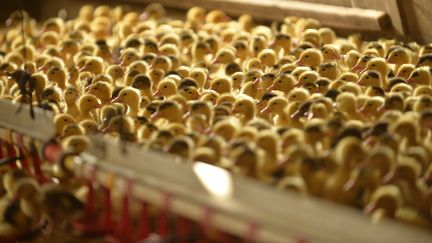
98,105
186,115
337,57
295,115
349,185
257,81
370,208
107,129
215,61
410,80
381,109
272,43
270,88
155,116
299,62
356,68
389,178
362,71
83,69
116,99
157,93
266,110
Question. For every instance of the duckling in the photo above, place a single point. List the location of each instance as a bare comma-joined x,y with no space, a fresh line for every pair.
245,108
94,65
75,143
330,53
385,201
328,70
130,97
425,61
221,85
170,111
298,94
371,107
420,76
346,103
61,120
371,78
361,63
166,87
405,70
278,105
281,42
86,104
71,129
398,57
181,146
311,58
268,58
89,127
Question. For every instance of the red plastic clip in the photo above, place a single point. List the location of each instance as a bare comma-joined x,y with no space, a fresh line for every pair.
144,230
124,229
11,152
162,225
251,233
107,223
88,223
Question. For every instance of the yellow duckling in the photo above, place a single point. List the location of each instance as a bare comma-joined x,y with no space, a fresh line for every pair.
116,73
70,96
311,58
346,102
89,127
71,129
420,76
372,107
330,53
61,120
405,70
101,90
221,85
244,107
94,65
371,78
268,58
361,63
161,62
224,56
86,104
278,106
298,94
385,201
328,70
181,146
284,83
268,141
281,44
399,56
75,143
130,97
166,88
307,77
123,126
425,61
170,111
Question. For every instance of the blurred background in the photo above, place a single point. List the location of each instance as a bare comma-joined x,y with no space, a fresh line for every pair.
406,19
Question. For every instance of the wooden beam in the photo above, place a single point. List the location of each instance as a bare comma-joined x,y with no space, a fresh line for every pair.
332,16
391,7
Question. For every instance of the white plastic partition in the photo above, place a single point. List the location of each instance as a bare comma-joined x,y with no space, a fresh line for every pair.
210,195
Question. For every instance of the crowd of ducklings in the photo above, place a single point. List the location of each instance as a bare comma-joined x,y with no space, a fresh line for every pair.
290,104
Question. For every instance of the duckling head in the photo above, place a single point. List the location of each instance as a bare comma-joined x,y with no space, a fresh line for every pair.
181,146
166,87
378,64
310,57
388,197
224,56
420,76
89,126
101,90
71,129
284,83
399,56
94,65
221,85
169,110
268,57
120,124
370,78
75,143
70,95
245,106
346,102
61,120
298,94
276,105
405,70
88,102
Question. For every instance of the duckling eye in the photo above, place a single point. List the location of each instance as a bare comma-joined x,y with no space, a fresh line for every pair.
65,120
190,92
373,65
344,79
395,55
124,94
90,64
367,77
404,71
70,92
307,56
397,90
89,100
280,81
196,75
364,60
217,83
323,69
326,52
164,86
294,96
